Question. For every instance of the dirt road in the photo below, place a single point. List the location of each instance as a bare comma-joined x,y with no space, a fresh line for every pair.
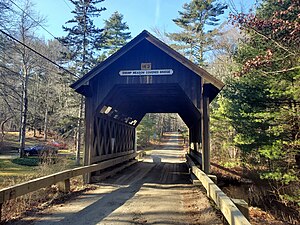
155,191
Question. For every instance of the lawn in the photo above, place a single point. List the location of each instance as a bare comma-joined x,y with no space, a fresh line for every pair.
11,172
14,170
11,167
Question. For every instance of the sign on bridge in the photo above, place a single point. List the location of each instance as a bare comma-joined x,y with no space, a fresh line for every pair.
146,72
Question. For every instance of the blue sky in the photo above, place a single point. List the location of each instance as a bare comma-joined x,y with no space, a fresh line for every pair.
139,14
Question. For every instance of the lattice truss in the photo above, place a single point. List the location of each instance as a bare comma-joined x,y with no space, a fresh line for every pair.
111,136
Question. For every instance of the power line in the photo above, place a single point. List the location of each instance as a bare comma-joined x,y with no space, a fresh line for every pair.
36,52
32,19
38,23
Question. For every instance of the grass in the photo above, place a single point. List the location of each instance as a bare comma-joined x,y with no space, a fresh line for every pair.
29,162
12,173
15,170
31,167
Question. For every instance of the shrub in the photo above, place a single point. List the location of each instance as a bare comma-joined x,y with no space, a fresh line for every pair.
30,161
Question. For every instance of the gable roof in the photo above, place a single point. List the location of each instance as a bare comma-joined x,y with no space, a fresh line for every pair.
159,44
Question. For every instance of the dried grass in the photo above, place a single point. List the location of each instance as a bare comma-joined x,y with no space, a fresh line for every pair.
43,198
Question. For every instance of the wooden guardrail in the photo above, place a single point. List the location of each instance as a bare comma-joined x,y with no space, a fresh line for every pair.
230,211
61,178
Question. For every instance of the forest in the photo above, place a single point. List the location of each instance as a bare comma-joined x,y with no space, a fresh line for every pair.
254,121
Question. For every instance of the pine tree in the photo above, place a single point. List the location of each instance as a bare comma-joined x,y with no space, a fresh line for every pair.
268,81
116,33
82,40
195,19
264,97
83,36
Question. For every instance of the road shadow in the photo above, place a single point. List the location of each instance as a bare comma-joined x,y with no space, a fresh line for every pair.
117,190
128,183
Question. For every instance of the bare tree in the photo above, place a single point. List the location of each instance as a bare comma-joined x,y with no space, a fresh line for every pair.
25,32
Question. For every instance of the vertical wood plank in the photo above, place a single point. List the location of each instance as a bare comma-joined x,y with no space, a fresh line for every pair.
89,129
135,139
205,136
98,136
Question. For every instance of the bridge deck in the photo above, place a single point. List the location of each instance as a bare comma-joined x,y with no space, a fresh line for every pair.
155,191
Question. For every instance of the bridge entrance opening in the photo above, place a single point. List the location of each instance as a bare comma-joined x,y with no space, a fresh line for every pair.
163,138
154,126
145,76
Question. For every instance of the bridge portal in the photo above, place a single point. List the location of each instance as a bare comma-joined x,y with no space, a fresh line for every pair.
144,76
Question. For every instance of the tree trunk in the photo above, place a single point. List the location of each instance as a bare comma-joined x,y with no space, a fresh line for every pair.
24,112
46,124
79,131
2,128
46,112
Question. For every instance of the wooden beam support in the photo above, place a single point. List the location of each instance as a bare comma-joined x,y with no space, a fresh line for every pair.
98,159
197,156
64,186
110,137
1,204
205,136
135,139
88,138
242,206
213,178
104,175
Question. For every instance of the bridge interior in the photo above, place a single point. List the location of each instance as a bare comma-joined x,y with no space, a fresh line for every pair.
136,100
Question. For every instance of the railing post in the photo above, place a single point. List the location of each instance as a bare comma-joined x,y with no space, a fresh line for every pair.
1,204
242,206
213,178
64,186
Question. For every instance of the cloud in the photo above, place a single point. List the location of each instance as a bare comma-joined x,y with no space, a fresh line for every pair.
157,12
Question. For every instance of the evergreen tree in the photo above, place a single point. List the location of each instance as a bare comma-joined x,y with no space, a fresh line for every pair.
195,19
116,33
83,36
263,99
268,96
82,40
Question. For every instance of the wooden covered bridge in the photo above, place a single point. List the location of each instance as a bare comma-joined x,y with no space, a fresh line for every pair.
145,76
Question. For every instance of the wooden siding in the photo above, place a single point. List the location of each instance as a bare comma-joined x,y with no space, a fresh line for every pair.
145,35
145,52
111,139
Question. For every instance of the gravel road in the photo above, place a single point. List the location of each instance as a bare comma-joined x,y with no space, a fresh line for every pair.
155,191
